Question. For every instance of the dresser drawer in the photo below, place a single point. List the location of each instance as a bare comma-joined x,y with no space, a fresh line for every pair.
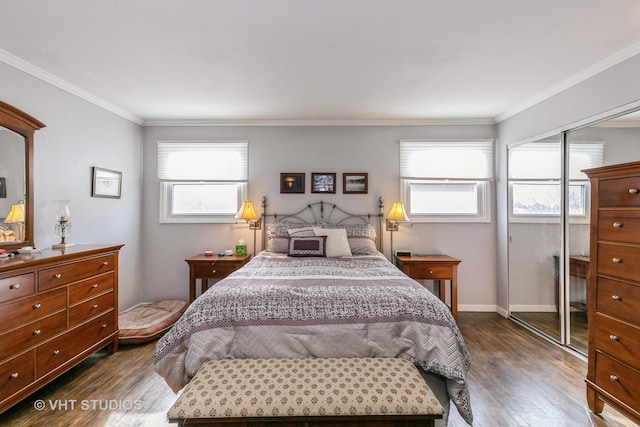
89,308
16,374
616,192
63,348
426,271
619,261
69,273
17,286
621,339
91,287
28,310
618,379
215,270
32,334
619,226
618,299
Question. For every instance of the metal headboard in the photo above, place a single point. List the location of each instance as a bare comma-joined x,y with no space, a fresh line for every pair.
327,212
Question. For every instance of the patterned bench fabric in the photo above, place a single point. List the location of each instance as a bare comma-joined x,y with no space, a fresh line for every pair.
233,388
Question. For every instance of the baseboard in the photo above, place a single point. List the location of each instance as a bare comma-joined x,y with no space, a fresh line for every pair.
533,308
478,308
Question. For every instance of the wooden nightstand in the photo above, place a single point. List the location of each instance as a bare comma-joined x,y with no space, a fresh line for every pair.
211,267
434,267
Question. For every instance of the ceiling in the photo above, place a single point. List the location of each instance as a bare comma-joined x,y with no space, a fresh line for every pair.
317,60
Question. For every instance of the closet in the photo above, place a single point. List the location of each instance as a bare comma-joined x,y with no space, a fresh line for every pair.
549,223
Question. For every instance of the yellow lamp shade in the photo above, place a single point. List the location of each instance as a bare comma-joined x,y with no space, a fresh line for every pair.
16,214
247,212
397,213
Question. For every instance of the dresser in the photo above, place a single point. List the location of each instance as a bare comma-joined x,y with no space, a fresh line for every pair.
613,375
57,307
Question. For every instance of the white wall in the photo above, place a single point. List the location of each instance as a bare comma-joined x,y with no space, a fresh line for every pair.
77,136
372,149
613,90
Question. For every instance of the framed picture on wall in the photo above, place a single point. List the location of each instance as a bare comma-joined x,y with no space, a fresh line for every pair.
292,182
106,183
355,183
323,182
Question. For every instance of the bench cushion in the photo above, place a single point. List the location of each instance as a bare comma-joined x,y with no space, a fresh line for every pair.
233,388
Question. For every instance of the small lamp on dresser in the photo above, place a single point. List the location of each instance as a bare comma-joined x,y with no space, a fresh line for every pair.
248,214
395,217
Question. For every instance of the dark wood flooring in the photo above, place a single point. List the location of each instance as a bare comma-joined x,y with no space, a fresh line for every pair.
516,379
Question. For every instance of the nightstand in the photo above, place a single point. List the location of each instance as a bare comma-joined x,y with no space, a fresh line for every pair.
437,268
211,267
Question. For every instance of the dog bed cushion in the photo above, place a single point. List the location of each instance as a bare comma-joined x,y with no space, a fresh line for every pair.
148,321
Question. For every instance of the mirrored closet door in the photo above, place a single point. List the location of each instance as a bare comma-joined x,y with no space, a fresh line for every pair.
549,223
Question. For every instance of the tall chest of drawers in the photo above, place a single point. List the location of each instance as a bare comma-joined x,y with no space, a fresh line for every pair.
613,375
57,307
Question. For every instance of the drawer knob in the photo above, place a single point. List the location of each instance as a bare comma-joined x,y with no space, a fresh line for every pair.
213,263
613,377
213,271
613,337
617,260
37,332
36,306
104,325
617,225
95,285
94,306
56,352
430,271
57,276
14,375
616,297
633,191
14,286
105,263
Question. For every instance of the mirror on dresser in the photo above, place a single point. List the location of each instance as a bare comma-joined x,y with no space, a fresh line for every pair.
17,130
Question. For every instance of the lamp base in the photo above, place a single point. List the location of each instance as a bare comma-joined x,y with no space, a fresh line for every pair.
62,245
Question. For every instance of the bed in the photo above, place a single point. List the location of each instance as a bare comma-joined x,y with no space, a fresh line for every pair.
320,288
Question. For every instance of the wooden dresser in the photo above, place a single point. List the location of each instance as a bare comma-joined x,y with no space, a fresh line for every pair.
614,290
57,307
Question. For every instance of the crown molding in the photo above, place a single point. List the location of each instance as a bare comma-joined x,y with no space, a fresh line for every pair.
323,122
597,68
45,76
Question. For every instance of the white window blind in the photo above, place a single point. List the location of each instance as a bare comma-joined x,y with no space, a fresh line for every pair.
465,160
542,160
217,161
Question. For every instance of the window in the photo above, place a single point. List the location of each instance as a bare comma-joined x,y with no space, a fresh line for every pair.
534,179
447,181
202,181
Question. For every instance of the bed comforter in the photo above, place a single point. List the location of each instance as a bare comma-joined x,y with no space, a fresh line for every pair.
279,306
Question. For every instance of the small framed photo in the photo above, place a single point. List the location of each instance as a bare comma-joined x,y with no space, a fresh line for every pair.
322,182
292,182
106,183
355,183
3,188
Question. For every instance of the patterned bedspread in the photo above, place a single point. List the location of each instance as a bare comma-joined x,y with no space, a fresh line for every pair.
279,306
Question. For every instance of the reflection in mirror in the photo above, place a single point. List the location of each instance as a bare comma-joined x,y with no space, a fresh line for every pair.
534,233
12,186
16,177
620,142
546,199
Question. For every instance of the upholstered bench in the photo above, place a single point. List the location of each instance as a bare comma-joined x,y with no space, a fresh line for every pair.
307,392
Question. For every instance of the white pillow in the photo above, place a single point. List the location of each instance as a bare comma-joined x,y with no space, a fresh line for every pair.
337,242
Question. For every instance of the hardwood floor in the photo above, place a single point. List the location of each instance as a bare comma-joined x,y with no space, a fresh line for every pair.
516,379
